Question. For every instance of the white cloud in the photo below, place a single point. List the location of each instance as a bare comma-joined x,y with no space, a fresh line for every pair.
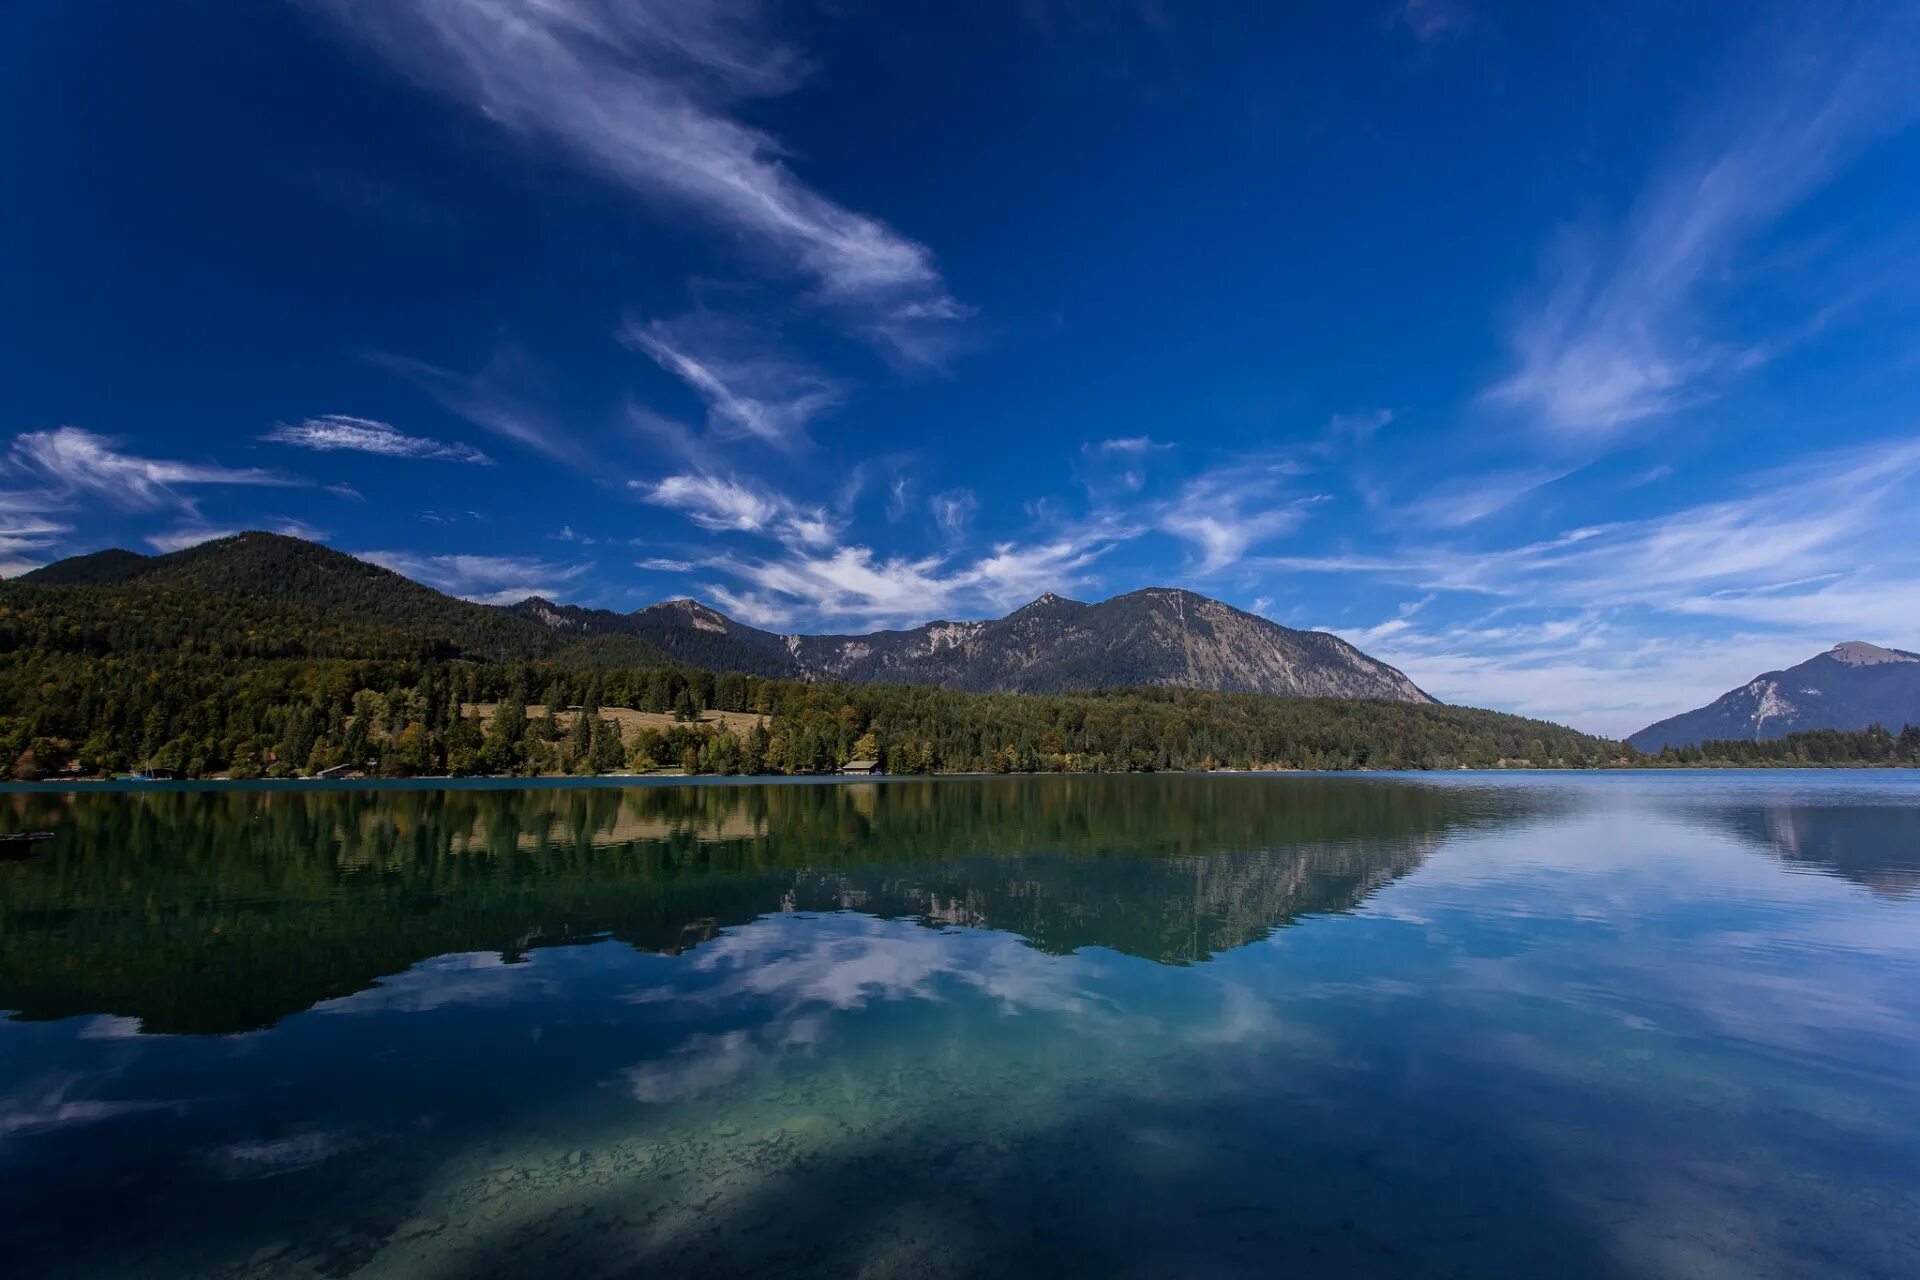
1227,511
1132,446
734,506
336,431
346,492
1624,333
1467,499
641,94
1581,669
486,579
661,564
748,390
1832,530
856,583
1610,627
25,534
953,511
73,462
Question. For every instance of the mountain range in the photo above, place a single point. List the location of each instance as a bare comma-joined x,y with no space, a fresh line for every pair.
1851,686
1156,636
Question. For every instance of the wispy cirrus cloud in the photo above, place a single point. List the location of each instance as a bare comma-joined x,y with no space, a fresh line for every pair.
1129,446
854,582
485,579
72,463
1467,499
749,389
816,576
484,400
333,432
1611,626
26,543
953,511
643,95
1627,330
1793,534
724,505
1225,512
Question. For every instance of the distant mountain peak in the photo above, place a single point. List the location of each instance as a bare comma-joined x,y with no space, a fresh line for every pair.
697,614
1858,653
1047,603
1851,686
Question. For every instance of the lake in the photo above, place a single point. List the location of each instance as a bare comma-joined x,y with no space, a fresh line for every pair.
1635,1024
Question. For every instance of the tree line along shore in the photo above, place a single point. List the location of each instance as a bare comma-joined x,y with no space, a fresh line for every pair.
192,713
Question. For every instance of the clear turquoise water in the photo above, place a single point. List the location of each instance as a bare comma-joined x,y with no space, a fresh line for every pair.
1597,1025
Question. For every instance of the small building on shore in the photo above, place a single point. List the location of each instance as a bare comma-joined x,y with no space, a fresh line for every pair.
865,767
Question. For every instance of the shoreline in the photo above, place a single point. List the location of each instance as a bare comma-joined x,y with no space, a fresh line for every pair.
555,782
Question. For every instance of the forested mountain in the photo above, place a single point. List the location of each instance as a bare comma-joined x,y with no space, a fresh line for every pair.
267,656
1154,637
1850,687
315,581
683,630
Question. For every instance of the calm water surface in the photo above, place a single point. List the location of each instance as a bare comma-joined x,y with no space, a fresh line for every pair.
1608,1025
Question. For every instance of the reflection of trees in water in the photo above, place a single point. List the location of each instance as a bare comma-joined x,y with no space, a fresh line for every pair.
1875,846
222,911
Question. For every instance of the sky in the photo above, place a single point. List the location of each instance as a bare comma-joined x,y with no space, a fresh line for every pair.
1565,356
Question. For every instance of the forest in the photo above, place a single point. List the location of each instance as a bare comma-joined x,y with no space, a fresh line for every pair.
103,679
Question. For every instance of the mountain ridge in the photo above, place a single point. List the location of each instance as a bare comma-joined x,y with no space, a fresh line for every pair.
1153,636
1854,685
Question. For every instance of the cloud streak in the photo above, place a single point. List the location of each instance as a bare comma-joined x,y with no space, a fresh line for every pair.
723,505
337,432
1625,332
1225,512
74,463
485,579
642,95
748,391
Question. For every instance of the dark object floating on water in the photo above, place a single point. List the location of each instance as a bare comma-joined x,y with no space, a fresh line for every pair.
18,844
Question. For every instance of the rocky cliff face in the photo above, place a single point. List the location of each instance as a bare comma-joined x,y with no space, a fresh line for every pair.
1158,636
1850,686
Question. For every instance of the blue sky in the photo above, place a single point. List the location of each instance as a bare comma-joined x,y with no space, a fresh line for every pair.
1567,356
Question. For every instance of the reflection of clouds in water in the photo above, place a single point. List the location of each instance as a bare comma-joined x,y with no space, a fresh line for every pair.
465,978
701,1064
48,1104
796,974
805,968
110,1027
1666,912
846,961
270,1157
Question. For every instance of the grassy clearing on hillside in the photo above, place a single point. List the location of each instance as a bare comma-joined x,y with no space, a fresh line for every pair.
629,720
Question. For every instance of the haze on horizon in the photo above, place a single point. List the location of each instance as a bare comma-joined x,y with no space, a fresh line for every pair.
1563,357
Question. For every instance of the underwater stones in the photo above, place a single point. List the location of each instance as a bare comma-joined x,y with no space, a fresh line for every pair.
414,1228
268,1252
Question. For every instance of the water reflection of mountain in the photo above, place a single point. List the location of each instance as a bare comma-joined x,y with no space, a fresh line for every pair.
224,911
1875,846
